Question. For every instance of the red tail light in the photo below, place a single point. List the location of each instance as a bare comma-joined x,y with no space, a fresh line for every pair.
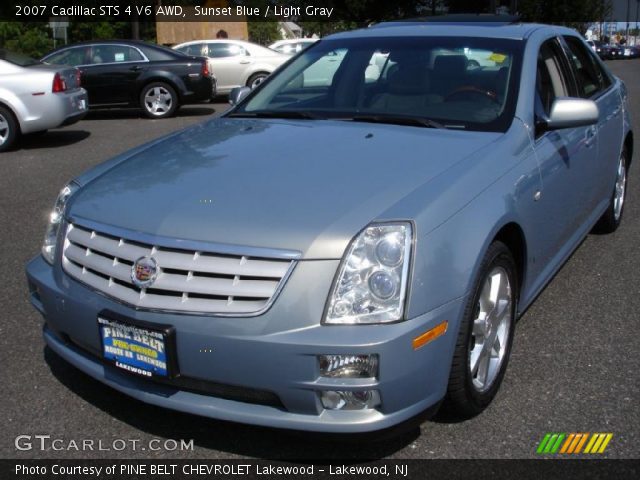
205,69
78,78
59,85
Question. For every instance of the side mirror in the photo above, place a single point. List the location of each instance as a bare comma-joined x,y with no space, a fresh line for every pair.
238,94
572,112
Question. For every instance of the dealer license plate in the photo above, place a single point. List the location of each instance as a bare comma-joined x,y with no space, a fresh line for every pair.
138,350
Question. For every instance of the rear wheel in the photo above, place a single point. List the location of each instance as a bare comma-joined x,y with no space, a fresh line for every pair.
158,100
612,217
9,130
485,336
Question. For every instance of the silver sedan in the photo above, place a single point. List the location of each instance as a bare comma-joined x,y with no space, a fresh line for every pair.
36,97
235,63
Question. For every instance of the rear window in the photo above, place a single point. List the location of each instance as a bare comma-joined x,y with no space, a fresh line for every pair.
17,58
156,53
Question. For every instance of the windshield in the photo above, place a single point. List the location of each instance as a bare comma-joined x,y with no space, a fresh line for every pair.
465,83
17,58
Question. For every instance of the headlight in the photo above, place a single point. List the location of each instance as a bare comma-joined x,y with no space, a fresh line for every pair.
55,220
371,285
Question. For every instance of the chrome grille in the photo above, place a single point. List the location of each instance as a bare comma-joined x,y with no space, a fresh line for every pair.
187,281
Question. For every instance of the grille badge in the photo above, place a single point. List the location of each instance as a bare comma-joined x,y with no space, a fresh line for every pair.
144,272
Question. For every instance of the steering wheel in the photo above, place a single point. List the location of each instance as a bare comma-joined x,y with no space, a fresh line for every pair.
490,94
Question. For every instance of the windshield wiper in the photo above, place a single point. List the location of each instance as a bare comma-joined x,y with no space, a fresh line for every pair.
397,120
296,114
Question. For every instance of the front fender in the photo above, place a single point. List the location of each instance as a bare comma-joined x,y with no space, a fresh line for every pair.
447,258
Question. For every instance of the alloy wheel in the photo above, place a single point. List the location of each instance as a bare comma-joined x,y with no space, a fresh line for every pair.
158,101
621,184
491,327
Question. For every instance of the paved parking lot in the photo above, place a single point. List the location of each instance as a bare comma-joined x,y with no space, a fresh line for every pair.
575,365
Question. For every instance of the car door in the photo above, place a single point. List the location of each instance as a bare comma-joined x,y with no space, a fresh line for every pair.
595,83
231,62
113,72
566,156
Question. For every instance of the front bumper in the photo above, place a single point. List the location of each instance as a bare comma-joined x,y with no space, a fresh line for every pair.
249,353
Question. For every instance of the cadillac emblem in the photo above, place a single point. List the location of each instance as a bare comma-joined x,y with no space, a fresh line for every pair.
144,272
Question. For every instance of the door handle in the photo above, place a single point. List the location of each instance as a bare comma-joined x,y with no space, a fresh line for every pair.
590,136
135,68
244,62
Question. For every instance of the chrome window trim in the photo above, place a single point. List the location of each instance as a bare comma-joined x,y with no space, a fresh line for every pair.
144,57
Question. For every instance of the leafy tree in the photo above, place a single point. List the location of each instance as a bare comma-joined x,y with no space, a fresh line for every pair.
578,14
263,32
32,39
322,29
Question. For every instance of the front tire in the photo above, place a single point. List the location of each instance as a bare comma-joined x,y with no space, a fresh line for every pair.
158,100
9,130
612,217
485,337
256,79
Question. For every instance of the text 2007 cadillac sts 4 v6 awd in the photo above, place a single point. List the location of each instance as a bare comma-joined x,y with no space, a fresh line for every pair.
353,241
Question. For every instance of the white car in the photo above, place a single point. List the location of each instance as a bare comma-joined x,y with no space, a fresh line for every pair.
35,97
235,63
292,46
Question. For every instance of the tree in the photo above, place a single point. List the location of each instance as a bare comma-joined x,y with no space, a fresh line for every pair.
578,14
30,38
263,32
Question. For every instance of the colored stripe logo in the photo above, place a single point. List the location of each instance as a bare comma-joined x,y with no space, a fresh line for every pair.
574,443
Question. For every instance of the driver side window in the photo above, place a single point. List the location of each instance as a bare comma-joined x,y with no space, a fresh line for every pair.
551,78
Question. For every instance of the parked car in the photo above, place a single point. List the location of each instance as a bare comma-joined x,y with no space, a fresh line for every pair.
610,52
35,97
130,73
631,51
235,62
364,248
292,46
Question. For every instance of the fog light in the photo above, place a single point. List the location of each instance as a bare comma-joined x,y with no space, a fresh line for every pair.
350,400
348,366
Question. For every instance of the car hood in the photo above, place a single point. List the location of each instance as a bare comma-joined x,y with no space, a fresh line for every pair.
307,186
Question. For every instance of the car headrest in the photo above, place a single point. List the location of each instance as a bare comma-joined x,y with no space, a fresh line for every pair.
450,64
409,80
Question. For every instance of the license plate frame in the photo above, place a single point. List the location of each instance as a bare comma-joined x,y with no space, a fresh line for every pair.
136,342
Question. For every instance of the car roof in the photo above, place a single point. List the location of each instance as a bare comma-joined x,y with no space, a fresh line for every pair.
216,40
506,30
132,43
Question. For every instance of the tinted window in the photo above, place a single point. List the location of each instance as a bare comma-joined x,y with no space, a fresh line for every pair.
551,79
193,49
589,74
71,56
415,77
17,58
158,53
222,50
114,54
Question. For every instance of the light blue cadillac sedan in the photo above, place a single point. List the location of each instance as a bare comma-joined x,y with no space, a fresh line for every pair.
350,245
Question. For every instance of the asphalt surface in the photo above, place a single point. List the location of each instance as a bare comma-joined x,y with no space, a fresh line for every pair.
575,365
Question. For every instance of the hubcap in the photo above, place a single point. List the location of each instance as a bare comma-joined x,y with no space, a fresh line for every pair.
491,327
158,100
621,184
4,129
257,81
